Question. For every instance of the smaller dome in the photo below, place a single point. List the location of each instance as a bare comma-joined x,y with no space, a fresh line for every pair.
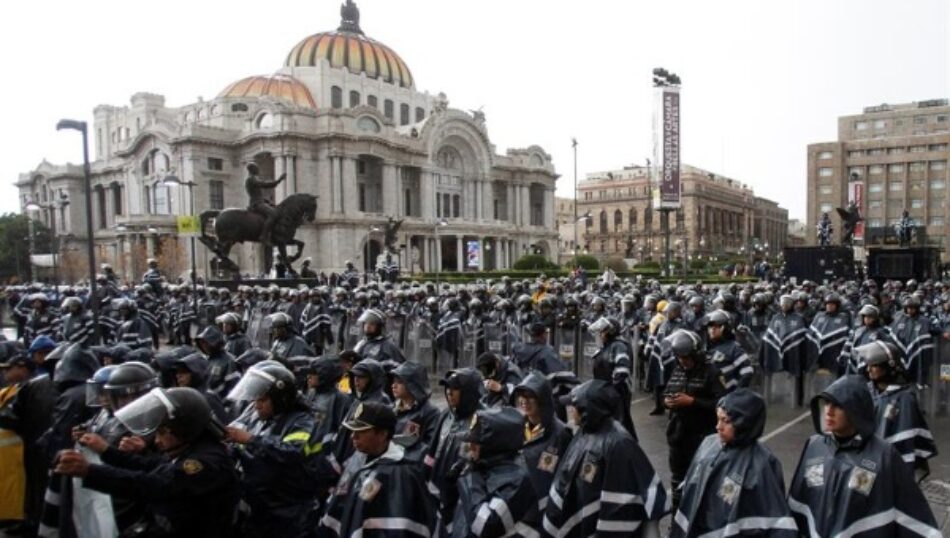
282,87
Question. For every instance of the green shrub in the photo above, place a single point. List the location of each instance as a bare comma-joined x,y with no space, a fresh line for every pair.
535,262
617,264
589,263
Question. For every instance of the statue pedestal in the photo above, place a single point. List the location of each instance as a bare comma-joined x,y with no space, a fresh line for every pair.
819,264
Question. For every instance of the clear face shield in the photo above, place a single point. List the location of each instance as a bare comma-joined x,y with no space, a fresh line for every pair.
95,394
599,326
144,415
252,386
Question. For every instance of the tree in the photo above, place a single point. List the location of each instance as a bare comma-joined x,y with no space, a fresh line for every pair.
15,247
172,260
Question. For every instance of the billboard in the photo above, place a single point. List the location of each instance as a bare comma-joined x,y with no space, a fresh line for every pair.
666,148
473,254
856,195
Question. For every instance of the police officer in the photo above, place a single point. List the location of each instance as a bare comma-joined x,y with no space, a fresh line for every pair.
286,343
191,492
379,483
76,325
848,480
273,447
537,354
134,331
613,363
375,344
222,371
236,342
725,353
416,416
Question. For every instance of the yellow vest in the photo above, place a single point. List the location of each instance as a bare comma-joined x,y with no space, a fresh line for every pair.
12,475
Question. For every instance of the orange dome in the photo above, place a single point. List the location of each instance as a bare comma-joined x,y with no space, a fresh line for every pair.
282,87
353,51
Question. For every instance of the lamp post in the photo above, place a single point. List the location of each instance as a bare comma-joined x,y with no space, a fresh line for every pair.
372,230
438,241
87,190
175,180
574,146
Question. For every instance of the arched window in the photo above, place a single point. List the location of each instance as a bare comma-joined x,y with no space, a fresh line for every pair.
647,219
618,221
680,219
603,222
372,101
238,107
388,108
404,114
632,219
265,121
420,114
336,97
354,98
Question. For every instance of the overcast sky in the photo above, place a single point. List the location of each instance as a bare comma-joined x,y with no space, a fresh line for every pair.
761,79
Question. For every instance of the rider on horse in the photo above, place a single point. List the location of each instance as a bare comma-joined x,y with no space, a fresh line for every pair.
257,203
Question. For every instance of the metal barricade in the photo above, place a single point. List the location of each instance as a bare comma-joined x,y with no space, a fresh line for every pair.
779,388
566,340
938,404
420,338
816,382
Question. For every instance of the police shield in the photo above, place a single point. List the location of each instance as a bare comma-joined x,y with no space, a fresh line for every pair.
263,339
419,340
337,325
254,325
394,329
495,339
566,342
206,315
470,339
588,348
353,332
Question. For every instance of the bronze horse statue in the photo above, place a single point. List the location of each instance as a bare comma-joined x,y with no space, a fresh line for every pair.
237,225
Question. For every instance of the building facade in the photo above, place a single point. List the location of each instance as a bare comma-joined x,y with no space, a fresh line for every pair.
719,216
343,120
899,154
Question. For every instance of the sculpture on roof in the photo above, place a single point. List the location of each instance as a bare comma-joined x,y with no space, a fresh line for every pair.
849,222
350,18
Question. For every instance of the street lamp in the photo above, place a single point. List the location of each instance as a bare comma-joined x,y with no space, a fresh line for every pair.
574,146
174,180
87,190
438,240
372,230
577,220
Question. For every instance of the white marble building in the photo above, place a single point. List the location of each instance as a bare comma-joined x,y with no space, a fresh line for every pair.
344,120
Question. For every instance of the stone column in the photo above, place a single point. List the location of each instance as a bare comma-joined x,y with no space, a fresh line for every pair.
427,193
481,254
390,190
324,189
150,245
549,208
291,182
526,204
280,167
438,253
460,257
350,192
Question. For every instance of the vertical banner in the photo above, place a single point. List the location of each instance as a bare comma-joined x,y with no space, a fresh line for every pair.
856,195
473,254
666,148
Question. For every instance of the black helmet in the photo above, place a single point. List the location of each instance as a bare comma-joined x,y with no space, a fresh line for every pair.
250,358
228,318
126,304
605,324
212,336
197,365
70,302
372,315
94,386
684,343
720,318
673,308
280,320
128,381
833,298
497,431
869,310
183,410
912,301
268,378
76,366
879,353
696,301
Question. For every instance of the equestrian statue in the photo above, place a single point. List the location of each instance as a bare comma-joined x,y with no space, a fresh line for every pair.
262,222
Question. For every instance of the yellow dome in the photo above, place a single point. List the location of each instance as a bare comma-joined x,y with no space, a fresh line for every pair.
277,86
353,51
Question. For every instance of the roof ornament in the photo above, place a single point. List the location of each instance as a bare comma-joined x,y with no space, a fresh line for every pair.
350,18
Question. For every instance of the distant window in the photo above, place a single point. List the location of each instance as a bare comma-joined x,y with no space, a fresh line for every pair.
368,124
937,184
354,99
189,117
895,151
117,198
336,97
876,169
202,113
917,166
420,114
876,151
372,101
860,125
388,108
824,189
937,147
935,221
880,124
216,194
215,110
825,155
403,114
856,153
876,223
238,107
874,204
215,163
895,168
941,118
361,167
895,186
920,120
918,149
916,203
826,208
456,205
876,187
826,172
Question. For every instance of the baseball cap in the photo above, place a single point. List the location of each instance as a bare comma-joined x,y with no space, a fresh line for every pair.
17,360
369,415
